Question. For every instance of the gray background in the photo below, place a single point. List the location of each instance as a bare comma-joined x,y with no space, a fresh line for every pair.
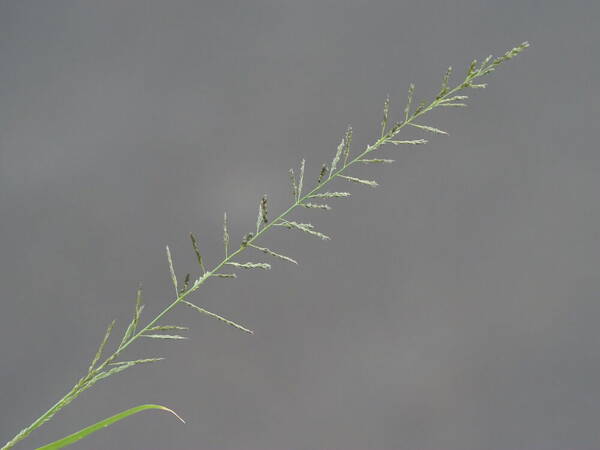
457,305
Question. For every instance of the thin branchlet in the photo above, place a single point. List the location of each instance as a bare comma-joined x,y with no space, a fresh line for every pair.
225,235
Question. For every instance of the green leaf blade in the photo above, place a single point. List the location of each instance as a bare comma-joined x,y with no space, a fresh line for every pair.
77,436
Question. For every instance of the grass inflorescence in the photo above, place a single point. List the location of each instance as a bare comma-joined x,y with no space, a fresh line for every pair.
340,167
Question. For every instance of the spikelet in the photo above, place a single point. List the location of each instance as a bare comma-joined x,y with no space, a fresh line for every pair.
454,105
375,161
105,374
472,67
444,89
411,91
250,265
428,128
138,306
136,317
484,64
347,144
322,174
186,283
247,238
172,271
330,195
225,235
102,345
300,180
454,98
137,361
263,209
272,253
164,336
370,183
386,110
197,252
167,328
293,185
201,279
317,206
410,142
419,108
306,227
337,156
508,55
262,212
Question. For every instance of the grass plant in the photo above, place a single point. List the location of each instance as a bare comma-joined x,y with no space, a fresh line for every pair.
315,197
